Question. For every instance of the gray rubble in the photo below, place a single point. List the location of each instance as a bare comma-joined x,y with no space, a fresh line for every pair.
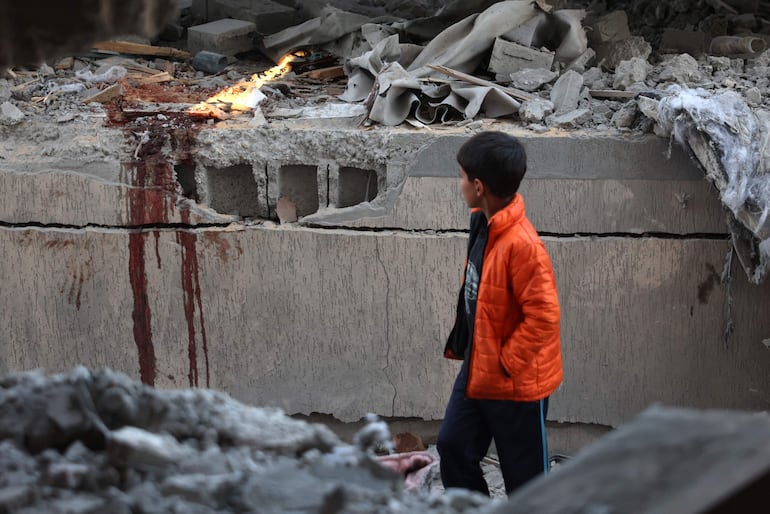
97,441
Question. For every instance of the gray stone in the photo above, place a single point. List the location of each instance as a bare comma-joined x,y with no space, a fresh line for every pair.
580,63
648,106
532,79
594,78
719,63
5,91
625,116
535,111
566,92
630,72
572,119
10,114
15,497
135,447
682,68
753,96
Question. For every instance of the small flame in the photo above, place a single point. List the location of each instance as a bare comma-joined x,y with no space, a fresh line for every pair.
246,94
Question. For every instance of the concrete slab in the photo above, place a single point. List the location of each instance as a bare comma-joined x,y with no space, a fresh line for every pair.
665,460
226,37
348,322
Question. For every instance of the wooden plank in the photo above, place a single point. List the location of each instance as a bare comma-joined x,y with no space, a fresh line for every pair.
612,93
155,79
329,73
127,47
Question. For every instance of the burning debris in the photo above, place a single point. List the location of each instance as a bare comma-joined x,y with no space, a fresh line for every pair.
99,442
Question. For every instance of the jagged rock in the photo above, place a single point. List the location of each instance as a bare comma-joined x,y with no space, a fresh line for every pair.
571,119
535,111
630,72
681,69
10,114
566,92
532,79
625,116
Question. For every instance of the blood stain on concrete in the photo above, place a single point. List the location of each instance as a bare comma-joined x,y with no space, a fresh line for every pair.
192,295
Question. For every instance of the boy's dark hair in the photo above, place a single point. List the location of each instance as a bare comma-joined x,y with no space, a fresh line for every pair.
495,158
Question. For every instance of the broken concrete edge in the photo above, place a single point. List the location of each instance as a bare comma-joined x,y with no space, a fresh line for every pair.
692,459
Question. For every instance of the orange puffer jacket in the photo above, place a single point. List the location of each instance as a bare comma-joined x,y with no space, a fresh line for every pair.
516,351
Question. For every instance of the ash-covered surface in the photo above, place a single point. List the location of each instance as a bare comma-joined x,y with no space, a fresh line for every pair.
96,441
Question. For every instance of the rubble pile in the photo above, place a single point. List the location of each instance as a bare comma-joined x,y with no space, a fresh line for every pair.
96,441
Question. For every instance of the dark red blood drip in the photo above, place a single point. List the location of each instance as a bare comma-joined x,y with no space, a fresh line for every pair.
141,313
192,293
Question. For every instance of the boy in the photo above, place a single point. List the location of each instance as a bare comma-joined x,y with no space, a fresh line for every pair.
506,329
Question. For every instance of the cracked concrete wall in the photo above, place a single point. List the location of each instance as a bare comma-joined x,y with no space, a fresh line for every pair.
344,322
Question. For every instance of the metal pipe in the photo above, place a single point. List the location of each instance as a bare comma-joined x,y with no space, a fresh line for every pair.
736,45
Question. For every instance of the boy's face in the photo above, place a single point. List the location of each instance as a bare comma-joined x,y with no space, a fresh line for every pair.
469,189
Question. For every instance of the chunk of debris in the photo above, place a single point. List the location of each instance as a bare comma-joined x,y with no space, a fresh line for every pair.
536,110
570,119
566,92
10,114
681,68
630,72
508,57
532,79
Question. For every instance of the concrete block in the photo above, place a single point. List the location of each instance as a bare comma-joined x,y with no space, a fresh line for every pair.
226,37
508,57
268,16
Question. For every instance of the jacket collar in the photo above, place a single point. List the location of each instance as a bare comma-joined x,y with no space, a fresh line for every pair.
508,216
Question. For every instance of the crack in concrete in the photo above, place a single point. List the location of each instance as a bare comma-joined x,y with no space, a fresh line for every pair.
154,226
387,329
364,230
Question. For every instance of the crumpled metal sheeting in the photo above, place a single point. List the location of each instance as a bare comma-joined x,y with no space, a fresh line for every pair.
398,94
462,45
732,144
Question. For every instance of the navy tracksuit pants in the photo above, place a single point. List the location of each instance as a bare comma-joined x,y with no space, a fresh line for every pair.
469,426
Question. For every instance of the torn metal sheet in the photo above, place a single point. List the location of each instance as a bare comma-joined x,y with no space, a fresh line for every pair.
460,47
732,145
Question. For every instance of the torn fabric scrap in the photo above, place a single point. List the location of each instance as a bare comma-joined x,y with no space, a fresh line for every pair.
732,145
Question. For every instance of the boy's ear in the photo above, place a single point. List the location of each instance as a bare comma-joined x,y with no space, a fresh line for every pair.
478,185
